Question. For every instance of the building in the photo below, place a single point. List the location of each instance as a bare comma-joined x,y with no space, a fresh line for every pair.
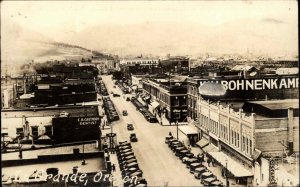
168,99
243,134
54,124
176,64
139,61
12,87
54,90
240,89
136,82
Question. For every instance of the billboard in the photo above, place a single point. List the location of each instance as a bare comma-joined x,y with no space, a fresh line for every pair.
257,84
75,129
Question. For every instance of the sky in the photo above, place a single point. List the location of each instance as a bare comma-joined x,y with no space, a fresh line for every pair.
265,27
75,16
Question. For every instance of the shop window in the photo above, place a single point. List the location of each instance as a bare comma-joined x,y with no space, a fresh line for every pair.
34,132
20,131
176,115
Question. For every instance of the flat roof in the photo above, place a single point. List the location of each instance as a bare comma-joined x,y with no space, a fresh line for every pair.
278,104
64,167
74,111
33,154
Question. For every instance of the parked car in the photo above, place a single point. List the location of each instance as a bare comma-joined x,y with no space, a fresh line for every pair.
208,181
193,166
124,112
133,137
116,95
215,183
198,172
205,176
130,127
190,161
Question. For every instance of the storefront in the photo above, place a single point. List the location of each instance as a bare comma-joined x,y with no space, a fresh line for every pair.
190,133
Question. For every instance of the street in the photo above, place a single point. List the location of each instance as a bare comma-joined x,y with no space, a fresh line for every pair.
158,163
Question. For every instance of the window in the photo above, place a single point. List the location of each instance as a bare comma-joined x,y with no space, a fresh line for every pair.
20,131
176,115
34,132
243,143
238,140
48,130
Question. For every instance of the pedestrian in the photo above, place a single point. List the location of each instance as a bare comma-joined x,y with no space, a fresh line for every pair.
113,167
208,161
170,134
190,148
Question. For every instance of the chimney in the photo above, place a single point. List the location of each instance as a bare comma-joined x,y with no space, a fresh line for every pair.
290,131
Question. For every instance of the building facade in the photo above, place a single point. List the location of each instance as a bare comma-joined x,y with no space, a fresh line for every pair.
171,98
245,138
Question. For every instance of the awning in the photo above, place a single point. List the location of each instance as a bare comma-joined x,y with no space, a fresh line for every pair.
256,154
233,167
154,104
202,143
210,148
186,129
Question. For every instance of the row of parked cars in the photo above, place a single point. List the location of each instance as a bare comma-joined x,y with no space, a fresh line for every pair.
124,90
129,166
148,115
193,163
110,110
102,88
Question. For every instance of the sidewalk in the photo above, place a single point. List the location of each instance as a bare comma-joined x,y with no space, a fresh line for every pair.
165,122
117,176
216,170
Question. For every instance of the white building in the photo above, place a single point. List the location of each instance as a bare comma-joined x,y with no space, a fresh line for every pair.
140,61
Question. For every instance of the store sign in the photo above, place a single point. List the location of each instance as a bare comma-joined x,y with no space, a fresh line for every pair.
88,121
258,84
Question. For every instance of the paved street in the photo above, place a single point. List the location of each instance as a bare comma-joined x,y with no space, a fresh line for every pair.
159,164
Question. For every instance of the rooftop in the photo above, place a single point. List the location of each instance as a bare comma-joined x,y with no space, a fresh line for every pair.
278,104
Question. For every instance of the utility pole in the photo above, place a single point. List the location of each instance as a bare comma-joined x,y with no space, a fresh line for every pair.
226,175
177,128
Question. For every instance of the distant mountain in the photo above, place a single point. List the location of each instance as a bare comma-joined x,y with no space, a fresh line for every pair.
159,38
21,45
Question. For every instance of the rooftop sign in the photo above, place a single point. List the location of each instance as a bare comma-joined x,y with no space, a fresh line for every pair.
257,84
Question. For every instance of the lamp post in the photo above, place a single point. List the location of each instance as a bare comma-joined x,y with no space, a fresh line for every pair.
177,128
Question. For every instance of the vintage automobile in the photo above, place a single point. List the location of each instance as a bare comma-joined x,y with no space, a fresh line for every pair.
116,95
133,137
130,127
207,175
125,113
215,183
198,172
190,161
208,181
193,166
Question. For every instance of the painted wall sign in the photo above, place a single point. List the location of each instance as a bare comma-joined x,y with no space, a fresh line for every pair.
258,84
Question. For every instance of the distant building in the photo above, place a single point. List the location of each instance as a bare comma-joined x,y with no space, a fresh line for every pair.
54,90
139,61
176,64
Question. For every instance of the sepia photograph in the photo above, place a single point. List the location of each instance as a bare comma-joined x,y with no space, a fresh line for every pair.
149,93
